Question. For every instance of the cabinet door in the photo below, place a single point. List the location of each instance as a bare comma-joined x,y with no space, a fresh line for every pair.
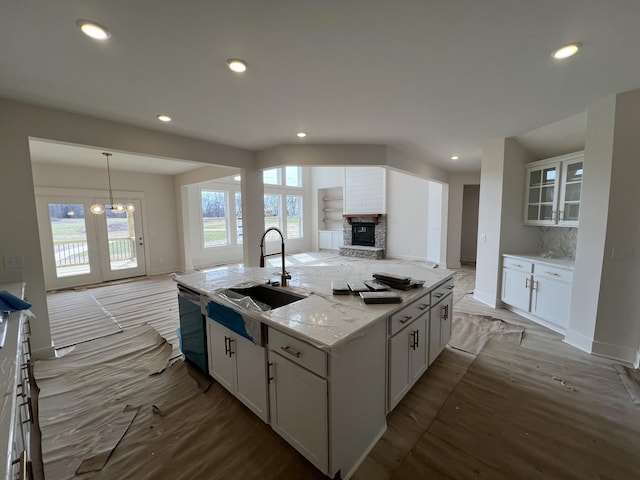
551,301
516,289
336,240
324,240
435,330
446,314
399,373
570,192
298,409
418,348
220,344
541,203
251,376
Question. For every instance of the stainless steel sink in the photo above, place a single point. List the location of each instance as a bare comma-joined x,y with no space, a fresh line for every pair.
273,297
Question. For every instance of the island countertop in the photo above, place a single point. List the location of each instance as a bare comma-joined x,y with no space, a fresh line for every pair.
322,319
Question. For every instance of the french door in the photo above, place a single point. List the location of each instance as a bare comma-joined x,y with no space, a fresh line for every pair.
81,248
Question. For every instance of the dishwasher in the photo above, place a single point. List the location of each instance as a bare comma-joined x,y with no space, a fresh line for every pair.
192,328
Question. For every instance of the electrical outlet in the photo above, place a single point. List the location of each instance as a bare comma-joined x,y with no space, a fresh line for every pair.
483,237
13,262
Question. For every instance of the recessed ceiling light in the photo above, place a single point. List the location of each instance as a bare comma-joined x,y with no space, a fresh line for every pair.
93,30
236,65
164,118
455,157
301,134
566,51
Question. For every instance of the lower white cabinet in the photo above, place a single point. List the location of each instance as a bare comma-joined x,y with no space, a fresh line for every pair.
408,354
299,411
239,365
537,290
440,326
330,239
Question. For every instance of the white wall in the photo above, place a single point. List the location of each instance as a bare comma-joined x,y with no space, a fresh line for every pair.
500,215
434,226
605,311
159,211
407,216
364,190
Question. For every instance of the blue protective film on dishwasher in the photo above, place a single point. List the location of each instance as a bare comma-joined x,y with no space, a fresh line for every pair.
228,317
10,303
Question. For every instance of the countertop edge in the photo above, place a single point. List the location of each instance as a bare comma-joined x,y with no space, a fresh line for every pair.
565,263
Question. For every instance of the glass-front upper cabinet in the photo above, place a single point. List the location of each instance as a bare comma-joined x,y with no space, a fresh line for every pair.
553,191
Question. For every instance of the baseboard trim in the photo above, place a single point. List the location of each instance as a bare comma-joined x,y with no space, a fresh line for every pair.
615,352
579,341
636,364
487,299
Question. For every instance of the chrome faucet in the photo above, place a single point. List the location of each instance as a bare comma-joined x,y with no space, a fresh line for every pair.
285,275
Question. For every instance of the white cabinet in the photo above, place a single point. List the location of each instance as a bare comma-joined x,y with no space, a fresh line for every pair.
238,365
552,190
408,355
538,290
330,240
440,319
299,411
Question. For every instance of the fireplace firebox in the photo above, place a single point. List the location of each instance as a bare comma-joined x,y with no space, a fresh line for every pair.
363,234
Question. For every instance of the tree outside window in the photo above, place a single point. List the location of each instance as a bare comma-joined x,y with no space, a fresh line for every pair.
294,216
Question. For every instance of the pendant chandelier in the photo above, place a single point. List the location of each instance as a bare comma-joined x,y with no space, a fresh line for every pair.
99,208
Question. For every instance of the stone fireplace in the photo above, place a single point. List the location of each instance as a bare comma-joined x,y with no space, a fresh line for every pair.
364,235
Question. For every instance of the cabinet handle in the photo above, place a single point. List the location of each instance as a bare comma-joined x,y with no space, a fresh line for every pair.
417,338
526,282
269,377
291,352
553,273
423,306
438,295
231,352
445,315
449,287
414,340
227,347
406,319
517,265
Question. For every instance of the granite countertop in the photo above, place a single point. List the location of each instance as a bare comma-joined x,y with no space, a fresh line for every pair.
322,319
567,263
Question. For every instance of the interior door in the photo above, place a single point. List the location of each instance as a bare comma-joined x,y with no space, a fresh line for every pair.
80,248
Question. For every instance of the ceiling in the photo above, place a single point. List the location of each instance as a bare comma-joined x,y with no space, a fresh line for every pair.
432,78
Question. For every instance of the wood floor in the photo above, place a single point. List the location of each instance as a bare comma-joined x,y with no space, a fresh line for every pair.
541,410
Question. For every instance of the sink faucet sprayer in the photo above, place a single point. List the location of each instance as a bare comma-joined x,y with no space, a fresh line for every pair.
285,275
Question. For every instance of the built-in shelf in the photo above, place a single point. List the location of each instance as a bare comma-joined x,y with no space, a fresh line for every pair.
330,208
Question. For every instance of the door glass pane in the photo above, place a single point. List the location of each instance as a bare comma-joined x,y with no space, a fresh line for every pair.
572,192
214,218
69,232
574,172
534,178
546,212
549,175
571,211
534,195
238,218
547,194
121,236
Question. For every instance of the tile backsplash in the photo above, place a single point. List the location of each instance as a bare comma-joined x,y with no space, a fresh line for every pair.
558,242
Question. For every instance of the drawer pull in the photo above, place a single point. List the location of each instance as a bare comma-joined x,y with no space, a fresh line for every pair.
291,352
438,295
553,273
449,287
517,265
423,306
406,319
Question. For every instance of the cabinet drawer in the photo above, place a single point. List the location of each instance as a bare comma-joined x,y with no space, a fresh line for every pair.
298,351
517,264
441,290
556,273
404,317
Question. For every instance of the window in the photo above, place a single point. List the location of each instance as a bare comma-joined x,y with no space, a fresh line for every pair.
238,218
215,224
287,176
293,177
294,216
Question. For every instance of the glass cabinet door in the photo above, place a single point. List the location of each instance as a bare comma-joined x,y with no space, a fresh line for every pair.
542,184
570,192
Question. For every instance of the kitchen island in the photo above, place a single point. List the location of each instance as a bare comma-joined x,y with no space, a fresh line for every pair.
325,370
